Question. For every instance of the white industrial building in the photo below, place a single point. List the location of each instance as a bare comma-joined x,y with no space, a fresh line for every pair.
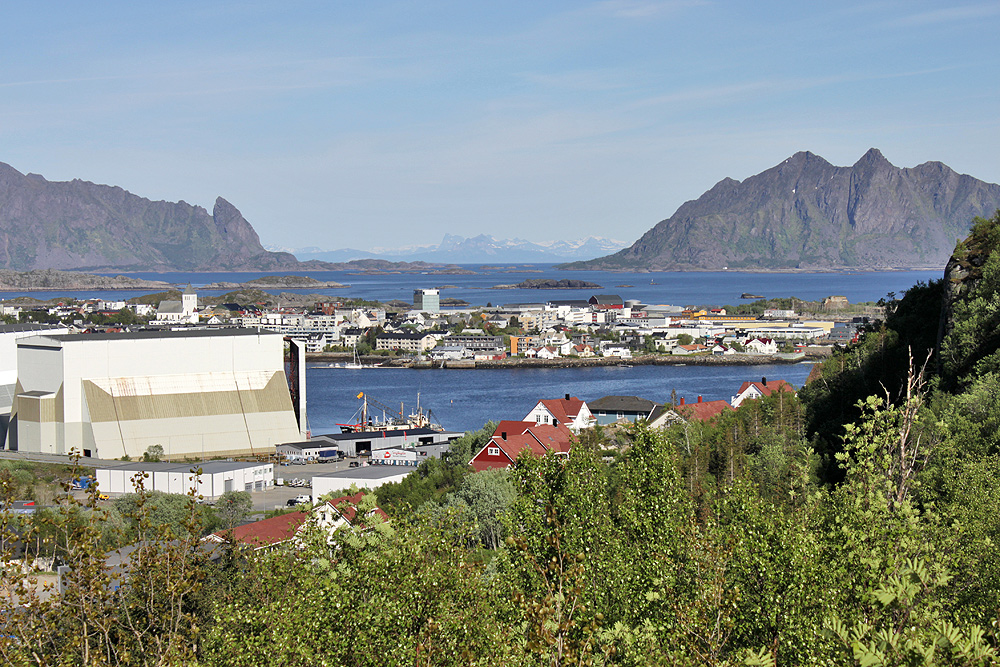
364,477
362,443
196,393
9,335
319,447
210,479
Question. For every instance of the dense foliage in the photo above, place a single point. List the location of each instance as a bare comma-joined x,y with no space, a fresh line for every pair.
853,523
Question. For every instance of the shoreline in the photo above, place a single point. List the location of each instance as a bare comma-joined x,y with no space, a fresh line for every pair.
570,362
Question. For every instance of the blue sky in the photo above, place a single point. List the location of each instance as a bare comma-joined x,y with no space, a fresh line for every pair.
364,124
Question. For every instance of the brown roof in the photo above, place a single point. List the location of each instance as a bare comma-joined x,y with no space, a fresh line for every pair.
703,410
767,388
520,435
268,532
565,410
348,507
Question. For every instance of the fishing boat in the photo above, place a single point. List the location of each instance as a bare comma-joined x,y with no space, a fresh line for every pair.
366,420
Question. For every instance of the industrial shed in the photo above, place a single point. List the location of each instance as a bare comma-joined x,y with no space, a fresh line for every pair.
363,442
365,477
320,447
214,478
196,393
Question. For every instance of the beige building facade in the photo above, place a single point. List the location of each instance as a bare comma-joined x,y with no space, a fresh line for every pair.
196,394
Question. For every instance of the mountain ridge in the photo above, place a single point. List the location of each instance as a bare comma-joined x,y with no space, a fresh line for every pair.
807,214
80,225
482,248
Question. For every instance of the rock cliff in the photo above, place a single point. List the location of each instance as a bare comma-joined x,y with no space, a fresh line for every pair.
806,213
82,225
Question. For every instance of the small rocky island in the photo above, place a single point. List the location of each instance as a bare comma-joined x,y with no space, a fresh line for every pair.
278,282
50,279
550,283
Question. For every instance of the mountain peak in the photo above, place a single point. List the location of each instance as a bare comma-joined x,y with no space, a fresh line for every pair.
82,225
806,213
873,157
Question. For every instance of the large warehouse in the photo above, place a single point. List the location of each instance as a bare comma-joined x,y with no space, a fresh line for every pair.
9,335
197,394
215,478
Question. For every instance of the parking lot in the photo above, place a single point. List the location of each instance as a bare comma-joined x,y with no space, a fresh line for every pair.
281,493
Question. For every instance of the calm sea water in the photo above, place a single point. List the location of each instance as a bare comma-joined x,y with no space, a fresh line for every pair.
673,288
466,399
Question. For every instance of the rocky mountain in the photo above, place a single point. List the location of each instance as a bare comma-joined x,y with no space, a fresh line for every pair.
478,249
81,225
805,213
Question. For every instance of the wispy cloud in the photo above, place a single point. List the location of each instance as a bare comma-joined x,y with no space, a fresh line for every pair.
740,91
54,82
639,9
586,80
950,15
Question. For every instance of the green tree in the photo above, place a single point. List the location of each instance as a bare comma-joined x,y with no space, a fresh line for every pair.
233,507
487,495
153,453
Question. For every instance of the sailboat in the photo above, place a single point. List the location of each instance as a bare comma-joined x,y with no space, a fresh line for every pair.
356,361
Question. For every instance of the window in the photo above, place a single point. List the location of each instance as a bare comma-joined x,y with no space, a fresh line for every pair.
621,415
493,451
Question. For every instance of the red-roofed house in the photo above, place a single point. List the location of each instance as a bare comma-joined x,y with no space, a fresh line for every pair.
761,346
333,514
266,533
703,411
277,530
569,411
544,352
758,389
693,348
511,438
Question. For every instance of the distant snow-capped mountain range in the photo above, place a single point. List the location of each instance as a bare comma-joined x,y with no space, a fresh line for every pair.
461,250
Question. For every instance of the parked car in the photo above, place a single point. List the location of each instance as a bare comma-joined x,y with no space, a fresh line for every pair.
300,499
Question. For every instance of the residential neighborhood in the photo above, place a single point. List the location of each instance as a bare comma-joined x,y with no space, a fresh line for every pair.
602,326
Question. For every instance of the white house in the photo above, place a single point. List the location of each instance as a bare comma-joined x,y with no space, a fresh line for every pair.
569,411
541,353
760,346
620,351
